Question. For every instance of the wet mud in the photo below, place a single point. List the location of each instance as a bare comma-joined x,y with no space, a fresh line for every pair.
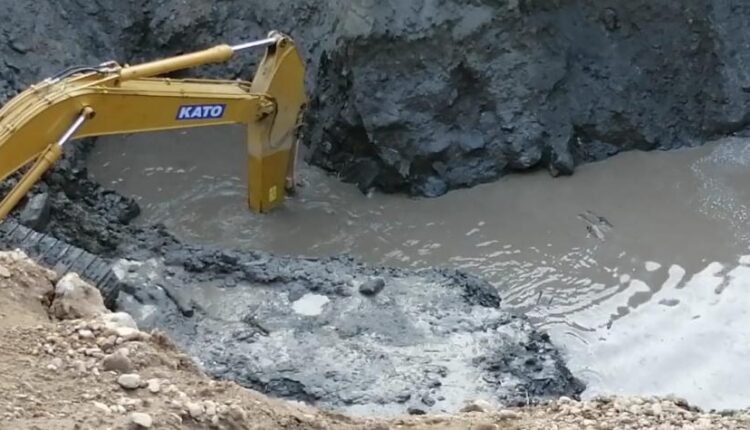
285,325
643,249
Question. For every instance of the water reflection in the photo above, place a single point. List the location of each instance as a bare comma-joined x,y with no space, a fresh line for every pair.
635,265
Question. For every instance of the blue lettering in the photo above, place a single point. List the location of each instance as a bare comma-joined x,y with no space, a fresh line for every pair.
193,112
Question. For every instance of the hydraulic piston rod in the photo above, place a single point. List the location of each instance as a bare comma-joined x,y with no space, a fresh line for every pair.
256,44
46,160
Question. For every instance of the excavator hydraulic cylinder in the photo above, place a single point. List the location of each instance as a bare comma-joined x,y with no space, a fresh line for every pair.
217,54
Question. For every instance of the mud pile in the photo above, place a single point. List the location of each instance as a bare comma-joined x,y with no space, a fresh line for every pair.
423,97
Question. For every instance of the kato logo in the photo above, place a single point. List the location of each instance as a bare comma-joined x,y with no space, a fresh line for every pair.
188,112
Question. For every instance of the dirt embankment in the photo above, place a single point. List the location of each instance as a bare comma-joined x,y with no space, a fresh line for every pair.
67,362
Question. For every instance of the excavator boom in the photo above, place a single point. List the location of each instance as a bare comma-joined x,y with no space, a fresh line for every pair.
110,99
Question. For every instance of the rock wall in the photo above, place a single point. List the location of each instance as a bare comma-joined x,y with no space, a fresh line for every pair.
424,96
437,95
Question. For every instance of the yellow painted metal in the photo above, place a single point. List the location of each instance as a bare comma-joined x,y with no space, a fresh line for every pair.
217,54
129,100
272,142
35,172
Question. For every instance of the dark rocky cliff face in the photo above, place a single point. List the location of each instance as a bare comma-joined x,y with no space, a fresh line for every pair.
431,98
424,96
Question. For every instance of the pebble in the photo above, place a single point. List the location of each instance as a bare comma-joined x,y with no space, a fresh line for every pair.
119,319
106,343
56,364
413,410
210,407
102,407
80,366
93,352
4,272
127,401
195,410
477,406
154,386
128,333
372,287
177,418
403,397
140,420
85,334
117,362
129,381
507,414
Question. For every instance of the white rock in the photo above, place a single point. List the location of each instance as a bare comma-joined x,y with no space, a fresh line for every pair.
195,410
56,364
76,299
177,418
85,334
210,407
170,389
140,419
118,319
127,401
129,381
4,272
154,386
102,407
621,404
130,334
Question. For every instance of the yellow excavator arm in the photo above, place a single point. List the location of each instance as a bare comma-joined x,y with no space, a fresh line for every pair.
110,99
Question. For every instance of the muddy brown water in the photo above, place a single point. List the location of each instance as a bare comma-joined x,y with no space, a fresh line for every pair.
637,266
